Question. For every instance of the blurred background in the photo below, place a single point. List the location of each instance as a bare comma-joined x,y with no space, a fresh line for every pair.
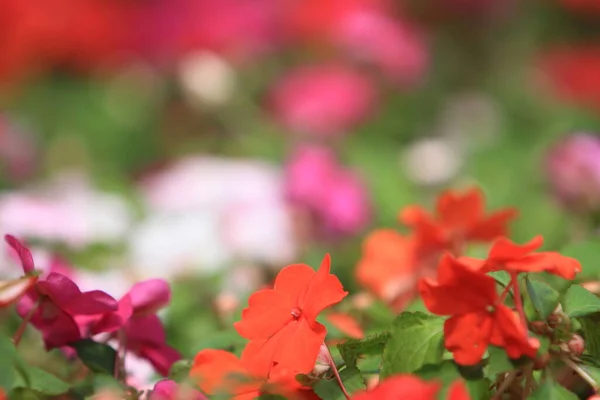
211,142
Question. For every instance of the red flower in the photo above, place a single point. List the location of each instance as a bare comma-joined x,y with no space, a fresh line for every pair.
413,388
55,301
477,317
220,372
458,219
281,322
505,255
346,324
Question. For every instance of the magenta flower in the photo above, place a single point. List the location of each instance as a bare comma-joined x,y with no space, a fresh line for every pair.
136,322
336,196
323,100
171,390
573,171
54,302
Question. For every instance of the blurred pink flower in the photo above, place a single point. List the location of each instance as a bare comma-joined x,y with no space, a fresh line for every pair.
323,100
18,151
336,196
573,171
171,390
55,302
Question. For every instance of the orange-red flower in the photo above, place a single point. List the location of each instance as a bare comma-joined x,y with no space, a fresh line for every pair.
477,317
346,324
458,219
413,388
281,322
219,372
506,255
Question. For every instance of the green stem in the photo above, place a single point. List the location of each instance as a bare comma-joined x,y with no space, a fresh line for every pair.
19,333
518,299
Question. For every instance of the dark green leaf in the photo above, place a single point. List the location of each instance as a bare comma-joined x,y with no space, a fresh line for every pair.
351,349
579,302
42,382
552,391
180,370
588,254
544,299
416,339
329,389
590,325
23,394
7,362
98,357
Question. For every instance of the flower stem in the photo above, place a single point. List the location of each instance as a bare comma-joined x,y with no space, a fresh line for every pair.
584,375
336,372
21,329
517,297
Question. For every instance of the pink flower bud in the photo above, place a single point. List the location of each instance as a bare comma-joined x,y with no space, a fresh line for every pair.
576,345
322,363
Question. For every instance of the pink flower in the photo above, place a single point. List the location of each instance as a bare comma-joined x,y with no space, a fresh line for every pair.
136,322
54,303
336,196
573,171
323,100
170,390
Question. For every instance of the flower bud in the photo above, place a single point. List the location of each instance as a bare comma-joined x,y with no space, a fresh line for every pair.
322,363
576,345
573,171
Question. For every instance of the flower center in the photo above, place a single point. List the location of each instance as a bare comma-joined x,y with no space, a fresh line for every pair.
296,313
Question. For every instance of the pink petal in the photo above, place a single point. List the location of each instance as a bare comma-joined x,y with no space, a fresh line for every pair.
161,357
23,253
115,320
11,291
94,302
149,296
59,288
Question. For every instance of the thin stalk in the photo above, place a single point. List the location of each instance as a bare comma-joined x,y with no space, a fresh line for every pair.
21,329
517,296
584,375
508,380
336,373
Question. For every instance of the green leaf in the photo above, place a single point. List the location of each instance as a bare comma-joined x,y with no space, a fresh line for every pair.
7,362
497,362
588,254
552,391
543,298
447,372
42,382
351,349
329,389
180,370
502,277
98,357
416,339
593,372
590,324
579,302
23,394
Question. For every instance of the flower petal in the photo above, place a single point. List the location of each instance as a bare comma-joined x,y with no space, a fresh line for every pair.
549,261
214,372
162,357
90,303
112,321
460,210
23,253
59,288
323,290
268,311
149,296
493,226
467,336
509,333
401,387
11,291
293,281
505,249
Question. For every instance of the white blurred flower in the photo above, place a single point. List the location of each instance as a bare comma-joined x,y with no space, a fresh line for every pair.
432,161
67,210
207,79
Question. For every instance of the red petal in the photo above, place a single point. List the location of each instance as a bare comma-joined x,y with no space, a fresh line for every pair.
59,288
552,262
293,280
23,253
346,324
214,371
493,226
460,210
504,249
268,311
401,387
458,391
467,336
510,334
90,303
324,290
113,321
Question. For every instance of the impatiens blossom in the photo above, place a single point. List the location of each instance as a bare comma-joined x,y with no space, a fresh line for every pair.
281,322
324,100
573,171
55,302
401,387
477,316
513,258
170,390
219,372
337,197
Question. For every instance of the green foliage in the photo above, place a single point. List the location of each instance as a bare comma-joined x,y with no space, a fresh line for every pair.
180,370
351,349
40,381
579,302
416,339
590,324
549,390
543,298
497,362
447,372
329,389
98,357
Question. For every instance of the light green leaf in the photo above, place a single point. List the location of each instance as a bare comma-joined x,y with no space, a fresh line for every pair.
544,299
41,382
497,362
416,339
552,391
180,370
329,389
579,302
351,349
590,324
